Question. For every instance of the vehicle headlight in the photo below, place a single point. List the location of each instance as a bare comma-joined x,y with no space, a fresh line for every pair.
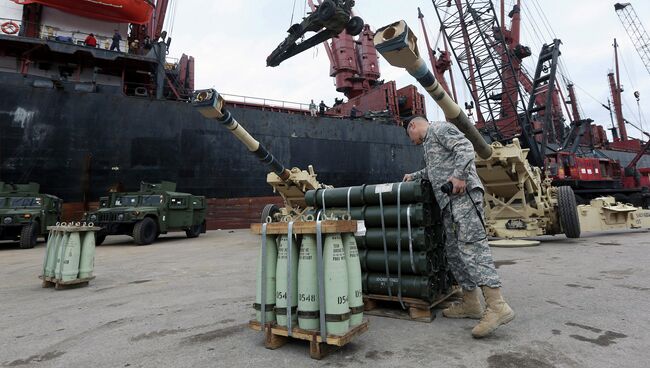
7,220
120,217
93,217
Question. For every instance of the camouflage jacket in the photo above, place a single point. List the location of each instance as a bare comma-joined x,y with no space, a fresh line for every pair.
447,153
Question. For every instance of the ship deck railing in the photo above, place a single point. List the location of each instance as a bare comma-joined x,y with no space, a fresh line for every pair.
70,36
266,103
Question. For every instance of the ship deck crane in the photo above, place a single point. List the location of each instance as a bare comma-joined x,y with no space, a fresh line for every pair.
353,63
635,30
329,19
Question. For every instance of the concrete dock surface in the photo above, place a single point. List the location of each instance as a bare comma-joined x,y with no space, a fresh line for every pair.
186,302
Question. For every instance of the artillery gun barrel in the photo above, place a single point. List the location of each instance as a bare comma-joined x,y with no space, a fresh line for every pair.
398,45
211,105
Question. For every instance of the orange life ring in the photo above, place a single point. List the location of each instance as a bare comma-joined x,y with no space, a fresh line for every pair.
10,27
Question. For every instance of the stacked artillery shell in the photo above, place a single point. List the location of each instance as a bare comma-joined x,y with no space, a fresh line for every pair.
419,269
288,282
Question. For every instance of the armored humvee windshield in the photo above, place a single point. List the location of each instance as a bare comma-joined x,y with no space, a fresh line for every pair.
151,200
126,201
24,202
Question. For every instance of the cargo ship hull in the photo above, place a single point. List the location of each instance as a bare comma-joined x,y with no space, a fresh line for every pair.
79,144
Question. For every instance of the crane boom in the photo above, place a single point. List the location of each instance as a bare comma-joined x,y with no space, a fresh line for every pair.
635,30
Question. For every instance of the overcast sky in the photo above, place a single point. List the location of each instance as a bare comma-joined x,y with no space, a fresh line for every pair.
231,39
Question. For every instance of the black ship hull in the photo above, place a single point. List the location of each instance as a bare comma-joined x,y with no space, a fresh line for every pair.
78,144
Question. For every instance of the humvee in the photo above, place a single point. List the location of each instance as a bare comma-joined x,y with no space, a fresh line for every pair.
155,209
25,213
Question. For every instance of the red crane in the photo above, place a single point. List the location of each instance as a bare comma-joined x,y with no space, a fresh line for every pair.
154,29
354,65
615,88
441,64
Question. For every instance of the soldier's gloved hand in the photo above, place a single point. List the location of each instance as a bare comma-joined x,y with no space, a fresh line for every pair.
408,177
459,185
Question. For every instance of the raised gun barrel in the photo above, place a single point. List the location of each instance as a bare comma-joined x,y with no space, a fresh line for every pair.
211,105
398,45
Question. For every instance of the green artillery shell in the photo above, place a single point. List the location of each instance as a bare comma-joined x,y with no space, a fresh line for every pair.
336,197
52,245
410,192
308,302
421,239
60,255
337,310
420,287
87,259
421,215
268,283
281,282
355,292
70,265
373,261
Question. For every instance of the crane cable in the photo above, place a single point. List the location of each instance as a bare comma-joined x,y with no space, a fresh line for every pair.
631,81
293,10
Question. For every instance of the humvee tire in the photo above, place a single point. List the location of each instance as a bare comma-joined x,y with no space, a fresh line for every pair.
100,236
568,212
29,235
144,231
194,231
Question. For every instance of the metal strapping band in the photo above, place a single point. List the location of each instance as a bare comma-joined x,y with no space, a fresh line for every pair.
263,278
337,317
62,249
408,224
258,306
349,189
383,236
49,244
288,312
321,276
399,246
308,314
356,310
290,271
323,200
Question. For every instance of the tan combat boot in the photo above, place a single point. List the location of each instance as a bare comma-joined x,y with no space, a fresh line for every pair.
469,307
497,313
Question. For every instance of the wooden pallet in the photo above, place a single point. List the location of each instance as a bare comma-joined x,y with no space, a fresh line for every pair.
416,309
276,336
49,282
307,227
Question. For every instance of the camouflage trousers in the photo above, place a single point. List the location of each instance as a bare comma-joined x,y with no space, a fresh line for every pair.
466,244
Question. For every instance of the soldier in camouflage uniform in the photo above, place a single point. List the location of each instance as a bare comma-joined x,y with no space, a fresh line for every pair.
449,157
